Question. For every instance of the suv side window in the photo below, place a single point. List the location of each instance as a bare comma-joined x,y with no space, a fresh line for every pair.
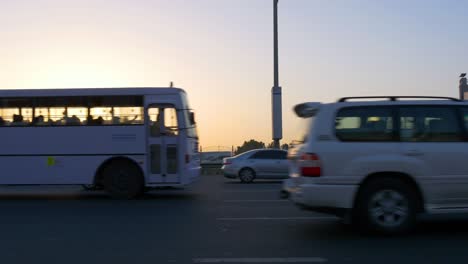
369,123
465,117
429,124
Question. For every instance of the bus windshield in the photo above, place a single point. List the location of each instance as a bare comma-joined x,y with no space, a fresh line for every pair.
189,118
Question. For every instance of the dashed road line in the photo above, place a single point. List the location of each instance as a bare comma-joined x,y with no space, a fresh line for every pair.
276,218
253,191
257,201
261,260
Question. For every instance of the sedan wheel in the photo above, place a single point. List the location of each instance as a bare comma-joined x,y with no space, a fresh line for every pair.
247,175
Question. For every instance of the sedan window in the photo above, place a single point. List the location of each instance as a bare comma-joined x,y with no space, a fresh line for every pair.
277,154
259,155
269,154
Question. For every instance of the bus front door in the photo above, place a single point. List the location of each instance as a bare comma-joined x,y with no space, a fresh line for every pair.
163,144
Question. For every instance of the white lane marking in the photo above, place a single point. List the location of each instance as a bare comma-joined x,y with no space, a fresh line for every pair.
277,218
256,201
261,260
253,191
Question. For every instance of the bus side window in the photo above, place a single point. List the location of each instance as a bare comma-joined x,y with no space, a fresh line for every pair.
154,115
128,115
8,115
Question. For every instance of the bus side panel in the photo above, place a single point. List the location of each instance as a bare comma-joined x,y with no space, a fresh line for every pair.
193,168
73,140
65,155
52,169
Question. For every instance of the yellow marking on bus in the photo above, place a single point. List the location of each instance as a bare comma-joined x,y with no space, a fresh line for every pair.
50,161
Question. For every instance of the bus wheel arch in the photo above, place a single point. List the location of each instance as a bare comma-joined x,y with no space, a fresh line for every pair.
119,163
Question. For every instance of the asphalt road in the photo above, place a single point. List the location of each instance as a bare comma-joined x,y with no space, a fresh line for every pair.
214,221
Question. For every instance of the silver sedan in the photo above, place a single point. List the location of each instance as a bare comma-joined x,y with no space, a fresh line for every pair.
257,164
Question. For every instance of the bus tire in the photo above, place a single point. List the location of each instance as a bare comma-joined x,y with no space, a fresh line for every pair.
123,180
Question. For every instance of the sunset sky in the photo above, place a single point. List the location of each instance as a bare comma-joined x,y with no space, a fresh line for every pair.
220,52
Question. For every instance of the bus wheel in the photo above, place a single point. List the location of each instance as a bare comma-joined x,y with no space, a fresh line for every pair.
123,180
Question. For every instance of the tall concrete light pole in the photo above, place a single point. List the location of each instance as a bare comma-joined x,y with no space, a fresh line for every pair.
277,118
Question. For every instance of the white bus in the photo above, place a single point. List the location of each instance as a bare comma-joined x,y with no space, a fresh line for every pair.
123,140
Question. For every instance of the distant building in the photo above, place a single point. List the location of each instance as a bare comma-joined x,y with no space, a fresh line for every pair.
463,87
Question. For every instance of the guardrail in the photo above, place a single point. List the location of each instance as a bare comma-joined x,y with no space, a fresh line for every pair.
211,169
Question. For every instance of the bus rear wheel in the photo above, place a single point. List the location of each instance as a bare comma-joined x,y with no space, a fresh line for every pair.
123,180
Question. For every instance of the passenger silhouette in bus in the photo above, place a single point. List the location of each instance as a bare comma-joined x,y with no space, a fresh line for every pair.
38,121
35,120
89,120
73,121
99,120
156,126
159,128
64,119
18,120
2,121
41,121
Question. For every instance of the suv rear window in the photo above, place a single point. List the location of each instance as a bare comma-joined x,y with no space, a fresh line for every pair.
364,124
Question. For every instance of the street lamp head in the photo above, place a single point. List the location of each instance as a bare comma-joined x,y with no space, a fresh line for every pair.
462,75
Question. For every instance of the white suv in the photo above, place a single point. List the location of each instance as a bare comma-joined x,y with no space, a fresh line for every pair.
381,162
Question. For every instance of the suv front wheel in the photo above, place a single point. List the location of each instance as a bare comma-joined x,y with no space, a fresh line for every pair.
386,206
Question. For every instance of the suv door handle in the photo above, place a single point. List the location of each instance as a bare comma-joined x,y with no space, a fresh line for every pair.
413,152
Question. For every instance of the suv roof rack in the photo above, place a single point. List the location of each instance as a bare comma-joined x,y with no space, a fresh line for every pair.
394,98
